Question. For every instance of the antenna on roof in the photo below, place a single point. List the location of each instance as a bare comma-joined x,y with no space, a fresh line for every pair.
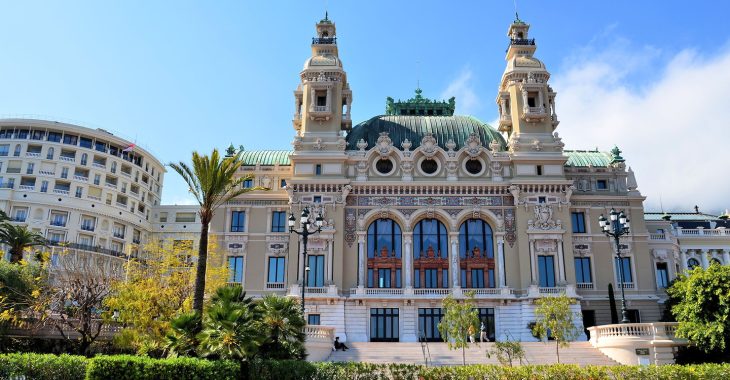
418,74
517,16
661,204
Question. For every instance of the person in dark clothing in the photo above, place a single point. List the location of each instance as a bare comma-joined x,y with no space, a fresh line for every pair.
339,345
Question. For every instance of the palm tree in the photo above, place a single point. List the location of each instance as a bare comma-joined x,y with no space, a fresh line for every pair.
212,181
18,238
284,325
180,339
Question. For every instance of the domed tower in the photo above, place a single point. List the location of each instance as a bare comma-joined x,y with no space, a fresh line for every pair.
527,108
322,108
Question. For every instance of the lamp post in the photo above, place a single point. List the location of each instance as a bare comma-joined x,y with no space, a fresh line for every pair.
616,227
304,232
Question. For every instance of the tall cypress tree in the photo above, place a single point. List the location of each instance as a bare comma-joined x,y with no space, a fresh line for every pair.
612,303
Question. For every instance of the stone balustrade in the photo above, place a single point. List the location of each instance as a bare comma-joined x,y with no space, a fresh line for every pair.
637,343
319,342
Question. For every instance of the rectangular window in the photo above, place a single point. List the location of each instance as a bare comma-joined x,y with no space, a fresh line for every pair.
539,169
601,184
70,139
238,221
235,269
384,278
278,221
37,135
247,183
4,149
662,275
490,278
315,277
416,278
313,319
370,278
100,146
579,222
54,136
85,142
583,270
276,269
431,278
318,169
626,266
44,186
397,278
29,168
477,278
79,190
321,101
546,271
283,183
317,199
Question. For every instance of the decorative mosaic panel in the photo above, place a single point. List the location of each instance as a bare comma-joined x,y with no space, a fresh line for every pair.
435,201
350,225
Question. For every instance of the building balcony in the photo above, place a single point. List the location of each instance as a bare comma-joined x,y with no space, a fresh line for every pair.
98,165
12,170
135,240
320,112
324,40
584,285
81,178
129,175
26,187
275,286
505,121
659,236
58,223
522,41
48,173
315,292
61,191
118,235
32,154
534,114
87,227
93,197
111,185
701,232
67,158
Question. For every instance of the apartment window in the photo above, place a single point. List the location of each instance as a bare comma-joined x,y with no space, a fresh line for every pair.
247,183
662,275
313,319
185,217
29,168
58,220
64,172
85,142
430,278
22,134
4,149
277,269
278,221
20,215
56,237
87,223
315,276
583,270
318,169
37,135
113,167
100,146
70,139
546,271
79,190
235,269
579,222
44,186
625,264
97,179
238,221
16,153
602,184
84,158
317,199
282,184
54,136
539,169
50,153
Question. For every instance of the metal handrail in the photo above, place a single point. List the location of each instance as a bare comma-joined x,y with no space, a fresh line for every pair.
424,348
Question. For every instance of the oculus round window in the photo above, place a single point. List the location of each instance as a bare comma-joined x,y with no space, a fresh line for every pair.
429,166
473,166
384,166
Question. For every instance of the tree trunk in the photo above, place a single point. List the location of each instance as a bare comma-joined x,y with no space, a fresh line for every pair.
557,349
16,255
463,356
199,292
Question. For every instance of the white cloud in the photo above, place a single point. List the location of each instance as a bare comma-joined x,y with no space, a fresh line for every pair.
673,128
467,101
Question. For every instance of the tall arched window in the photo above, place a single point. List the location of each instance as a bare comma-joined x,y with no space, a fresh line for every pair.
476,250
84,158
692,263
384,254
17,150
475,239
430,239
430,253
49,155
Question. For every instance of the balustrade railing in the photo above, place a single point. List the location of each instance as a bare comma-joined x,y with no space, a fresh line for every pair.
324,40
648,331
275,285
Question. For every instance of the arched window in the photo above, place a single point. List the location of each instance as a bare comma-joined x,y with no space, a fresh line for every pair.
84,158
384,239
476,250
49,155
692,263
475,239
715,260
384,254
430,239
17,151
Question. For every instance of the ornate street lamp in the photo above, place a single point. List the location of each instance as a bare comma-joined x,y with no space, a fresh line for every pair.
616,227
304,232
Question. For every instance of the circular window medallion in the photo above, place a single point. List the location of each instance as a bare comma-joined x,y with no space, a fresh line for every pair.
384,166
474,166
429,166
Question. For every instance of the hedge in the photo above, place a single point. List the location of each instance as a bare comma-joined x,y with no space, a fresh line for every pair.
127,367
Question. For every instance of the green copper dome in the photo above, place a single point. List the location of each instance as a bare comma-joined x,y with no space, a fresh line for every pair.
414,128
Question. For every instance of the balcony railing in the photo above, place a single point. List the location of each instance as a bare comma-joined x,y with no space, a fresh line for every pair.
118,235
67,158
87,227
319,109
98,165
584,285
432,291
18,218
94,197
324,40
126,174
61,191
49,173
26,187
275,286
703,232
32,154
522,41
657,236
86,247
135,240
81,178
58,223
112,185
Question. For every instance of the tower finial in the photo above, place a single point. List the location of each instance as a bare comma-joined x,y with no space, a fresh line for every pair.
326,15
517,16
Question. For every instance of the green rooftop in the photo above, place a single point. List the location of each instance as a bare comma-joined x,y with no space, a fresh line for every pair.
418,105
585,158
266,157
680,216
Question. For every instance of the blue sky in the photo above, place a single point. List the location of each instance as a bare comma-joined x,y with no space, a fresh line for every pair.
179,76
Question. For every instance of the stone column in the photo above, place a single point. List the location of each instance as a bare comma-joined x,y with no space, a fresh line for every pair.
361,260
330,260
329,98
703,258
725,256
454,265
501,272
561,261
683,259
533,264
408,259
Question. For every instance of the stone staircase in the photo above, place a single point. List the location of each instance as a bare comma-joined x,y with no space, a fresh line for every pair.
581,353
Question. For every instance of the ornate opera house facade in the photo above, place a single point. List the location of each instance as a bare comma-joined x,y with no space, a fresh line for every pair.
418,204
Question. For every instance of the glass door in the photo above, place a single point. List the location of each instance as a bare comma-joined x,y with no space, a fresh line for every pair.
384,325
428,324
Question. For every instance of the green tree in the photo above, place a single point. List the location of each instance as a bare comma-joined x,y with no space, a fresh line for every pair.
459,316
556,320
20,286
702,307
18,238
213,181
507,351
281,318
180,338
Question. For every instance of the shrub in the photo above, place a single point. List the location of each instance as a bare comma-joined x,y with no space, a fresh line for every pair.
43,366
128,367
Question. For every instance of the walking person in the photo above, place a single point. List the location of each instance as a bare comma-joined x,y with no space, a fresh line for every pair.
483,333
471,334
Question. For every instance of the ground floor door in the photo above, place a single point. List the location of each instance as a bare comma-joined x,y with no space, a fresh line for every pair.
384,325
589,320
486,317
428,324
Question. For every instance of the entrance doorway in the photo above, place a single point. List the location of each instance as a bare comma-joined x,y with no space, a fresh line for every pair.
428,324
384,325
486,316
589,320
